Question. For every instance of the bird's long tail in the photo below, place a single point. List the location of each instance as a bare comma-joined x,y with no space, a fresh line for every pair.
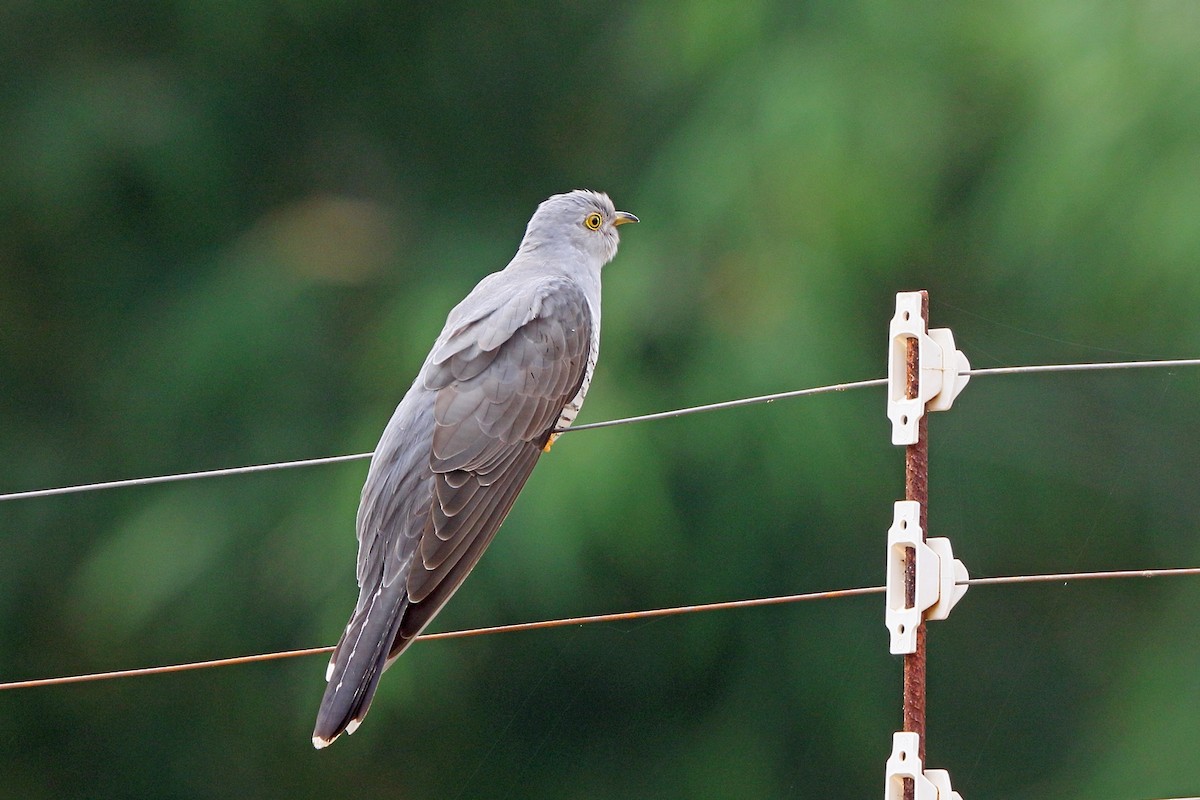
357,663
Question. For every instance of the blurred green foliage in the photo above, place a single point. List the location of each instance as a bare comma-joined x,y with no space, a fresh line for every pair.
230,231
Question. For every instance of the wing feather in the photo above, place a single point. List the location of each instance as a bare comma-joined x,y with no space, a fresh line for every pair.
438,578
490,427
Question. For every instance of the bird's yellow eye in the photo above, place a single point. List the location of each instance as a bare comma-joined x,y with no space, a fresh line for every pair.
593,221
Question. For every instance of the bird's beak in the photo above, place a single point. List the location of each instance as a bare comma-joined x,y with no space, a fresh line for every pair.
622,217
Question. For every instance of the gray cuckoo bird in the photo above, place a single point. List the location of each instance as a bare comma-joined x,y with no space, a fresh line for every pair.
511,366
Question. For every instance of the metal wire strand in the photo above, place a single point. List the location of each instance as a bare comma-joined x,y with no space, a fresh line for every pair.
624,616
181,476
680,412
1102,365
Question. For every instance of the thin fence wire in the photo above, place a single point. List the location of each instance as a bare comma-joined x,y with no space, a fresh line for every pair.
624,616
1102,365
181,476
745,401
680,412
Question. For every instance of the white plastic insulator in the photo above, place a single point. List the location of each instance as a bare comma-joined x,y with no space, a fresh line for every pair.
940,778
940,366
902,619
905,762
938,575
952,578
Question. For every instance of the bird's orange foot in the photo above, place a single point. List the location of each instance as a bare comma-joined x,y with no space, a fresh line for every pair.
549,443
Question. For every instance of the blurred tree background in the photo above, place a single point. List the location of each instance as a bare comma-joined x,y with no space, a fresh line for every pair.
230,231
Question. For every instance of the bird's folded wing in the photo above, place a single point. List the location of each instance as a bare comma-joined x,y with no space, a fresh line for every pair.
502,379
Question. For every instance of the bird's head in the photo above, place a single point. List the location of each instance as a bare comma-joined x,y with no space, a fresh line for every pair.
583,220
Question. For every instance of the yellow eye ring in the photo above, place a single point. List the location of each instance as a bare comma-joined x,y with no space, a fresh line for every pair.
593,221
